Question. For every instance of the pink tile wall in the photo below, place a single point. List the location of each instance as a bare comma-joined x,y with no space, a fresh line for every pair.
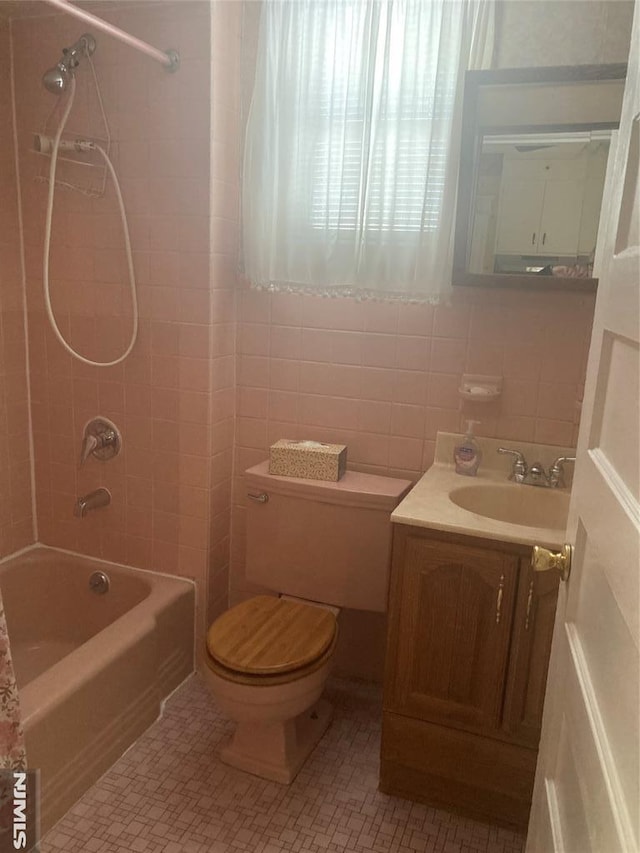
16,523
382,378
170,509
225,211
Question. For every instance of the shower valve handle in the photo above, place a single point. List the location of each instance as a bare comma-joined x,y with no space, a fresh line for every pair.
101,439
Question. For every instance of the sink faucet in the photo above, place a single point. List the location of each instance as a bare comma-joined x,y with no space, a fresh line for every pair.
536,475
94,500
556,472
519,470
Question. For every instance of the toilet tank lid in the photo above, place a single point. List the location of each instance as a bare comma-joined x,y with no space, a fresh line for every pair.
353,489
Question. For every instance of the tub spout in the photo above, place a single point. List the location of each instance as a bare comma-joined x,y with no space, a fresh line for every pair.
94,500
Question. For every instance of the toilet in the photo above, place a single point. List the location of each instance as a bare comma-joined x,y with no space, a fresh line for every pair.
317,546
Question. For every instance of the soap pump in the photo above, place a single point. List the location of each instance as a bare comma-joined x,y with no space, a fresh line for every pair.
467,453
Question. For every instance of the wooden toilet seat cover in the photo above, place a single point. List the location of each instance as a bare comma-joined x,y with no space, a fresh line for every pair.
267,635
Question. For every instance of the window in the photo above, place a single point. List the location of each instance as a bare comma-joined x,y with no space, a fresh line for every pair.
387,176
351,155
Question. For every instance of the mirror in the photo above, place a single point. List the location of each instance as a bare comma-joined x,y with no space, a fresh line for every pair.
533,158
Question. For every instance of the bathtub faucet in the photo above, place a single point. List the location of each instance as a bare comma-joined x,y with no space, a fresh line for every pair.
94,500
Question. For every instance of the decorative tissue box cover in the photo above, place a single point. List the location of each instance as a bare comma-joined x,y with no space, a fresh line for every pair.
310,460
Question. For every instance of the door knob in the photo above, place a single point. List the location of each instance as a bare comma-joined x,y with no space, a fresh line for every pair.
542,560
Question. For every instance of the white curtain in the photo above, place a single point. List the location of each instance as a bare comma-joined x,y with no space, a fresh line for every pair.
352,144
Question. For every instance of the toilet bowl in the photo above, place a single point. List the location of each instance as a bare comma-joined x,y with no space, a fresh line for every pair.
267,663
319,546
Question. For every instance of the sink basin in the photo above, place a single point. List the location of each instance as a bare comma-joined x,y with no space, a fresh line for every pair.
525,505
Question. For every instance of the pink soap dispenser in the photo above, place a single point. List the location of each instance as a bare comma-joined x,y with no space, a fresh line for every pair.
467,454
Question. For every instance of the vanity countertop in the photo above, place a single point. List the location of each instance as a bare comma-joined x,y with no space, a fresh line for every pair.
429,504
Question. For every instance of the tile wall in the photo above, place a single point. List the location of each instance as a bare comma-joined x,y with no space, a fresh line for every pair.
225,217
16,522
383,378
173,397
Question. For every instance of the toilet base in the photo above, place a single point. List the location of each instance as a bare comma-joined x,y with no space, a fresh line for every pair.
278,750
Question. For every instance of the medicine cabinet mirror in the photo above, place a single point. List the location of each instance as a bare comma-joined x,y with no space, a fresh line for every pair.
535,144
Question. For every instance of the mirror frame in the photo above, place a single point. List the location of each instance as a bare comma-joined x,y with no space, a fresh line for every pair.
472,132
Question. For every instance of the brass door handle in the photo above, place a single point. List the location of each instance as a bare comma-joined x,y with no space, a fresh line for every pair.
543,560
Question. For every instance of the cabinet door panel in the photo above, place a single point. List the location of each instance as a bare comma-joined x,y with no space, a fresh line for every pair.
532,634
519,215
561,217
454,607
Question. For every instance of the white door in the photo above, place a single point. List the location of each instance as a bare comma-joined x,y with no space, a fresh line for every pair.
587,793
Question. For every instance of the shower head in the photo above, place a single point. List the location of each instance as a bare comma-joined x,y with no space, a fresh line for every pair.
56,79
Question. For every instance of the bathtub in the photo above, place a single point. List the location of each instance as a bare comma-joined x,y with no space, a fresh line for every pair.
92,669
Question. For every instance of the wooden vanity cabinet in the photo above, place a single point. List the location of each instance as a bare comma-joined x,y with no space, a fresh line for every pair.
530,651
468,647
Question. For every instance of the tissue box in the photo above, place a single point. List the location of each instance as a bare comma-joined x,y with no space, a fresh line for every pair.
310,460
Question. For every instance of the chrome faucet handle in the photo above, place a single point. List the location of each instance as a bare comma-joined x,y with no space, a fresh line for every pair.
519,470
556,472
89,444
100,439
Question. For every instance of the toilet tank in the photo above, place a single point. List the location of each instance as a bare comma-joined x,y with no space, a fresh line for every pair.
320,540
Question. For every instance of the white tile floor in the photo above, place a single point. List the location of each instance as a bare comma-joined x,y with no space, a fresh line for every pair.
171,794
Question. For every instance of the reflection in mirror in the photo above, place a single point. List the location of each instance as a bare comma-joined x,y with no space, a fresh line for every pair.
532,172
537,203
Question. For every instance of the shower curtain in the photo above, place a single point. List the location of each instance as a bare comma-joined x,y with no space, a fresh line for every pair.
12,751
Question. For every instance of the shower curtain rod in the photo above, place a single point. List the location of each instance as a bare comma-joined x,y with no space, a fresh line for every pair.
169,58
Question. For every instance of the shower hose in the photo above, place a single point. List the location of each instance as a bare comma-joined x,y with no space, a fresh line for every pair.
47,242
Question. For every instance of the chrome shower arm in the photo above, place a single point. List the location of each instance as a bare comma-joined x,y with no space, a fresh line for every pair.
85,46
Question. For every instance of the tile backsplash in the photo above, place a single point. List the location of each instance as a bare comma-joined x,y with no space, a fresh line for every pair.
383,378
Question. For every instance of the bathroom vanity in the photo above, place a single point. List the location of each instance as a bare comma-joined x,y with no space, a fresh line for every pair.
469,637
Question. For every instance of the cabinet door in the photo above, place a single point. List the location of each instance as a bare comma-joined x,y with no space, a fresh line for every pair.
450,618
519,216
561,217
532,633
